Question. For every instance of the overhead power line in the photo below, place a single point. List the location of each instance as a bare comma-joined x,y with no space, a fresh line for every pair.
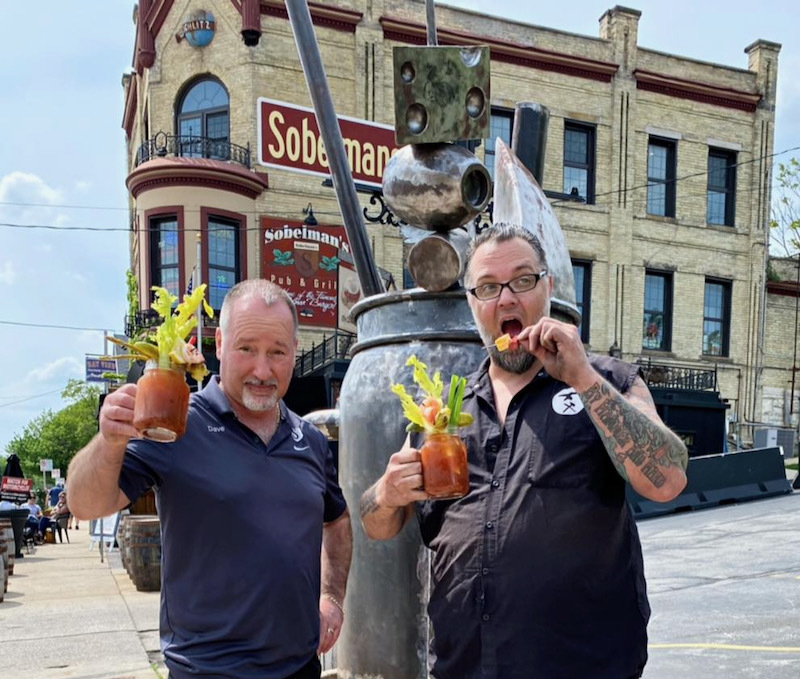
55,327
31,398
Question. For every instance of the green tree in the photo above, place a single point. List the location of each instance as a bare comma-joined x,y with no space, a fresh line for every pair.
785,223
58,436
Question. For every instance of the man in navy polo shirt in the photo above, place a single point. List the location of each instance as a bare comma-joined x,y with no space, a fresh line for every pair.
248,589
537,572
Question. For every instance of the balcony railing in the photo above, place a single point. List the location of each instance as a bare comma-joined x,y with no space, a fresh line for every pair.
671,376
332,348
192,146
141,320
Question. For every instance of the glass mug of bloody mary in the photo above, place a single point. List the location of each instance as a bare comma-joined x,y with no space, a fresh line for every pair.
445,470
162,394
162,403
445,473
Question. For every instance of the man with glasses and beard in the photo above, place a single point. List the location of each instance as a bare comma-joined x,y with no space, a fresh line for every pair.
537,572
248,591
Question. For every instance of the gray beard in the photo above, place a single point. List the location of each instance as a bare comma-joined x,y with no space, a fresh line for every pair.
516,362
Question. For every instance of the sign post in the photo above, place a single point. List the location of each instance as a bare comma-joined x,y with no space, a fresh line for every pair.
45,466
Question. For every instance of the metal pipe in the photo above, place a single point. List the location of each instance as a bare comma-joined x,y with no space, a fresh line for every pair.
529,138
794,350
343,184
430,14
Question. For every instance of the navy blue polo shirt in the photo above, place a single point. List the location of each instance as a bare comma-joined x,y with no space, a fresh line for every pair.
537,573
241,526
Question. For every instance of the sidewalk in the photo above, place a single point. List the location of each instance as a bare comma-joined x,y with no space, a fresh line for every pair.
66,614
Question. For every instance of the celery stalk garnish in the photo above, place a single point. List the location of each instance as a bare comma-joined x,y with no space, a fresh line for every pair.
432,415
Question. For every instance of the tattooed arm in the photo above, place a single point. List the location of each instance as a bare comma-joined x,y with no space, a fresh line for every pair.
644,450
389,503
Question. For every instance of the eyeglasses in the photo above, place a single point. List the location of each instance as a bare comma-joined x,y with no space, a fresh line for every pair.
522,283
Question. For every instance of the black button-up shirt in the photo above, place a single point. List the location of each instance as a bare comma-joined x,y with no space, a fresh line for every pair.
537,572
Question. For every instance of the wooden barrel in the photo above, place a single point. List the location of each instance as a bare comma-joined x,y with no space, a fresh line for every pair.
7,534
124,537
144,554
121,539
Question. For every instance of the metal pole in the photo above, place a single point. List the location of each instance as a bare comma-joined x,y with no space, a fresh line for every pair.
430,14
343,184
198,281
794,355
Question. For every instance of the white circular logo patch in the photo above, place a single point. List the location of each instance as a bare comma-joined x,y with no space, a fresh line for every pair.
567,402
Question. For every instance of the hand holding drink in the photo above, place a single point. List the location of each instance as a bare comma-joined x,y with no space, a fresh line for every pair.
445,472
162,395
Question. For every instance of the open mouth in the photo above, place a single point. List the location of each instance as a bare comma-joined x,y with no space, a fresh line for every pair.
512,327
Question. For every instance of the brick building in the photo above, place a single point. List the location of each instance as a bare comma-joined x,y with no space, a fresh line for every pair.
668,156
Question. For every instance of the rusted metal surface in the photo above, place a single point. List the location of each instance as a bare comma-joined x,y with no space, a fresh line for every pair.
437,261
441,93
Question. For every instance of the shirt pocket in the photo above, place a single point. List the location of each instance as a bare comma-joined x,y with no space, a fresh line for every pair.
567,452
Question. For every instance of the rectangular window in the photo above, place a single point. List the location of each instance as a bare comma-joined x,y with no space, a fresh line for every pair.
657,322
717,318
582,272
721,187
502,122
224,268
661,171
165,254
579,145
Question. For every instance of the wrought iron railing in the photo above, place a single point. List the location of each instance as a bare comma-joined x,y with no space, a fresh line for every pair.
192,146
141,320
335,347
671,376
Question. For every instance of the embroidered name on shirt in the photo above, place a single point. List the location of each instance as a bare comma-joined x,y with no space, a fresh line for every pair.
567,402
216,430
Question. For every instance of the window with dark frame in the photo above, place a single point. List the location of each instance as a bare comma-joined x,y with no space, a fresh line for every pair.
582,273
717,318
224,266
657,321
579,159
502,123
661,172
165,254
203,119
721,187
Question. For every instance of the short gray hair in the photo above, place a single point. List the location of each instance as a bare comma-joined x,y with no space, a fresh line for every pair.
260,288
499,233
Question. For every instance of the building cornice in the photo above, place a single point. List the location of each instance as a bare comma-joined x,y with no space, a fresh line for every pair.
131,104
404,31
696,91
322,15
213,174
783,288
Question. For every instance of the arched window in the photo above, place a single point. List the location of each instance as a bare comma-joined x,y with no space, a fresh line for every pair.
204,120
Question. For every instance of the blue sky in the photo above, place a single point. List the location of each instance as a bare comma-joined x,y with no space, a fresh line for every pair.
63,146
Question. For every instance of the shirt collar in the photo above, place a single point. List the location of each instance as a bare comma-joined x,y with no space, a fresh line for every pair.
218,402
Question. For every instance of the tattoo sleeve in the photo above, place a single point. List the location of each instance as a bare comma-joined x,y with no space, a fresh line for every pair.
377,519
631,435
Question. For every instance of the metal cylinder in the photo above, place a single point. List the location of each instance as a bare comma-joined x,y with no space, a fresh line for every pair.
437,261
385,632
530,136
436,186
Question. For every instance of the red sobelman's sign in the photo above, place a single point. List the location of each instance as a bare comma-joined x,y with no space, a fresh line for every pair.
289,138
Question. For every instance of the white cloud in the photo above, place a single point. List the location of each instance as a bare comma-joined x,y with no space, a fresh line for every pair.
7,273
59,370
23,187
83,186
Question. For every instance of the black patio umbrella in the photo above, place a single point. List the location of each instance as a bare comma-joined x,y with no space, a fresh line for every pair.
13,467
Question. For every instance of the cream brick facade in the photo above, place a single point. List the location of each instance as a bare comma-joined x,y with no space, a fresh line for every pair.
626,92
